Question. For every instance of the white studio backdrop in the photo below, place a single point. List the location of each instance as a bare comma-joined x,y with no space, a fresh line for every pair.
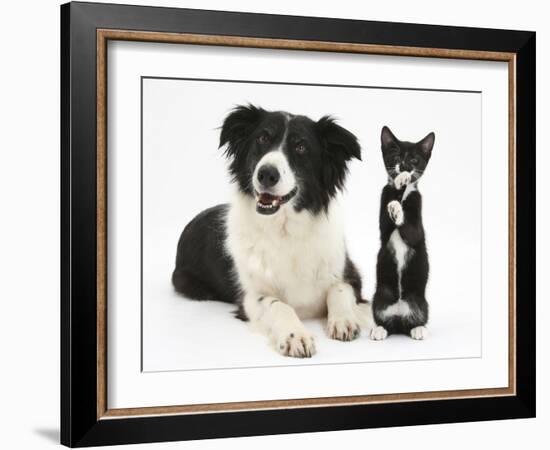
37,202
184,173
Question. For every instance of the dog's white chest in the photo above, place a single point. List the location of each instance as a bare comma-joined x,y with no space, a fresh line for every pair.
287,265
295,259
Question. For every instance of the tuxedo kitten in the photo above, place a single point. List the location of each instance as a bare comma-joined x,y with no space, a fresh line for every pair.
399,305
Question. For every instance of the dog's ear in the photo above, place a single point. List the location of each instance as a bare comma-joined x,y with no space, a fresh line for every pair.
238,125
339,146
338,142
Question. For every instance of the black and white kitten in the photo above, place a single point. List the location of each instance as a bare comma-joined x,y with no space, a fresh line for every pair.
399,304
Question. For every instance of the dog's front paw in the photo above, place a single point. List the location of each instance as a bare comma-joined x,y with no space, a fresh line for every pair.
343,329
402,180
298,344
378,333
395,211
419,333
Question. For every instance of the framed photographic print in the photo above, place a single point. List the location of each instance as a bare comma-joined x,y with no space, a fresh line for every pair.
276,224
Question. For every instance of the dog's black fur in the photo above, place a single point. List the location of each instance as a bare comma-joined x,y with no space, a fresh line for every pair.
317,152
250,132
411,157
203,269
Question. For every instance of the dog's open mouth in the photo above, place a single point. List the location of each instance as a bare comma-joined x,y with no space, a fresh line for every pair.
267,203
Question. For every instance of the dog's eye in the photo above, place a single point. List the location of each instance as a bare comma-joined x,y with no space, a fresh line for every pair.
263,138
300,148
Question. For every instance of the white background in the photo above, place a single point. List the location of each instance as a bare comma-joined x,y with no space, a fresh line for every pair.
184,173
29,189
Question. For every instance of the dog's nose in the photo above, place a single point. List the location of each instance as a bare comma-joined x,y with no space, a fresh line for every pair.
268,176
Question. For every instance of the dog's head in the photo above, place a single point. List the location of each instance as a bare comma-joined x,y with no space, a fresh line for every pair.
284,159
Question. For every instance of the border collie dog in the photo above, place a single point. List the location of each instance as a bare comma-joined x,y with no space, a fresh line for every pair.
278,249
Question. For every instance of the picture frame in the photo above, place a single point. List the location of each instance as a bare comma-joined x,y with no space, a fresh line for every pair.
86,418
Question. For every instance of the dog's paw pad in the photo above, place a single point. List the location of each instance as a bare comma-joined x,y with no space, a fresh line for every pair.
395,211
402,180
343,329
378,333
299,344
419,333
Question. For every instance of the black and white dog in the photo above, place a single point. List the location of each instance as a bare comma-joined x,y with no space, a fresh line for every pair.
278,250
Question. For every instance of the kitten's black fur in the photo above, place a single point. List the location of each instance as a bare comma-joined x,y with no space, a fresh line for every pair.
410,285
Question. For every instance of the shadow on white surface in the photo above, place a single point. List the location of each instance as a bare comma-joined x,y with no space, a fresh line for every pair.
182,334
49,434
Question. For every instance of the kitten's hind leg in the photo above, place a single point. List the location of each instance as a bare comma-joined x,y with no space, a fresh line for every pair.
419,333
417,318
383,298
378,333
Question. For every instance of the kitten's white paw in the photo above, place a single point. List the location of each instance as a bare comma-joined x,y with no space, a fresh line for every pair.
402,180
395,210
378,333
419,333
343,329
298,344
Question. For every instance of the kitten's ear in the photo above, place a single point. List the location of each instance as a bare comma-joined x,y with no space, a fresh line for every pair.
387,137
238,125
338,142
426,145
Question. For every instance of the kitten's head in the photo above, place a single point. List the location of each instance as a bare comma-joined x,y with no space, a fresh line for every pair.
402,156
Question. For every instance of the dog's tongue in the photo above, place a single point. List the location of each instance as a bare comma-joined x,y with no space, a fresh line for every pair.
267,199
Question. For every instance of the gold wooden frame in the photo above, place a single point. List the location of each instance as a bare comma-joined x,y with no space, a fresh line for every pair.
104,35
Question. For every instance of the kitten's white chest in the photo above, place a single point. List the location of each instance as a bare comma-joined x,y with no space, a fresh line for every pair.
399,248
401,252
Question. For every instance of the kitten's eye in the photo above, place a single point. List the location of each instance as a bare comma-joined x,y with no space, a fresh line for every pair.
396,159
300,148
263,138
414,161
